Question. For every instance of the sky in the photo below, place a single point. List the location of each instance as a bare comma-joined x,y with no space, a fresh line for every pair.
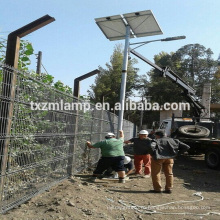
74,45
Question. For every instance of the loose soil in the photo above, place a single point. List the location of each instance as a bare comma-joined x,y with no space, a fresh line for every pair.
81,198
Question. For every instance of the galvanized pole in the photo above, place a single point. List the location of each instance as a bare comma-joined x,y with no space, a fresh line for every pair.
101,123
124,78
142,114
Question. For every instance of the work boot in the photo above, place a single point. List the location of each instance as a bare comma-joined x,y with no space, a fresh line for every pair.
121,180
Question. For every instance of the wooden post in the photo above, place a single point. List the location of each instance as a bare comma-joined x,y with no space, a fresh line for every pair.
39,61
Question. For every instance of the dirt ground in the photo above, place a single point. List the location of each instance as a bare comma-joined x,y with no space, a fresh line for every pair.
80,198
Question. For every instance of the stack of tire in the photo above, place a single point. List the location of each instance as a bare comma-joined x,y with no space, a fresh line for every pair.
194,131
212,154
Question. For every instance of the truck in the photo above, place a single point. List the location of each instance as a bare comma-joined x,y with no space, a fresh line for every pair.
200,133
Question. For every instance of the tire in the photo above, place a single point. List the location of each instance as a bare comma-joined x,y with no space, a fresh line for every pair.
212,158
194,131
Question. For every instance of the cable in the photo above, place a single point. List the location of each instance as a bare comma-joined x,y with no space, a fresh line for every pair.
148,210
44,68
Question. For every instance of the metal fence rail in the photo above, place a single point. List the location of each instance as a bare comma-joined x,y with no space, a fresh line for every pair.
42,147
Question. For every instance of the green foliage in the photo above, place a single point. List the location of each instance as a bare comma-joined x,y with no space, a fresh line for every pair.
60,86
2,49
26,50
197,65
46,78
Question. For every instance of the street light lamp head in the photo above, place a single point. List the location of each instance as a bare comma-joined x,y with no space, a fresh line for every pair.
173,38
165,39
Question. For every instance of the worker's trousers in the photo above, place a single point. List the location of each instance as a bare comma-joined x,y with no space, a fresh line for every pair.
156,167
139,160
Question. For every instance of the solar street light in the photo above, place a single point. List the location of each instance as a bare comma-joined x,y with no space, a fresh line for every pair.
126,26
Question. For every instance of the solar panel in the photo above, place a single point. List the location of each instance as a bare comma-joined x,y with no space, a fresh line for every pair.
141,24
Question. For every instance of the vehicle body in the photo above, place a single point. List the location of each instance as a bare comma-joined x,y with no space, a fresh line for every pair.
200,133
201,142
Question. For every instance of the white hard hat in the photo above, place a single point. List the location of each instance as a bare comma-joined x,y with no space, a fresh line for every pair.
109,135
127,160
143,132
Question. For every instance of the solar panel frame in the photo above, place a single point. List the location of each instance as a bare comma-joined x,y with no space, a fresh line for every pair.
141,23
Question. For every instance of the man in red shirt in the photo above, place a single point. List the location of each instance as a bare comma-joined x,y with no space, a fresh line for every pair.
141,146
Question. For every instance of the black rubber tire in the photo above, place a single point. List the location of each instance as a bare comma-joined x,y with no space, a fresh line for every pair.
194,131
212,158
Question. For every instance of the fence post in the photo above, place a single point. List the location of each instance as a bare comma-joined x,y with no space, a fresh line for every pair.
9,83
76,93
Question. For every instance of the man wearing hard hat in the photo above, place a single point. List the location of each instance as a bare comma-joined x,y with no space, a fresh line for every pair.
112,155
163,151
128,165
141,146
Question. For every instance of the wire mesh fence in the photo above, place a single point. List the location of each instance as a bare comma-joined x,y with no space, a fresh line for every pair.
42,146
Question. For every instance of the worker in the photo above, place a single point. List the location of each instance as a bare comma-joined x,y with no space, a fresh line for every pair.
152,134
141,146
128,165
164,149
112,155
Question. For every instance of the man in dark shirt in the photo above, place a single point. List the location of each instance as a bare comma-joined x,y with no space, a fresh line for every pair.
141,147
164,149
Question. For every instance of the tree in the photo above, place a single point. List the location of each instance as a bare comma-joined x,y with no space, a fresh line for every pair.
107,83
197,64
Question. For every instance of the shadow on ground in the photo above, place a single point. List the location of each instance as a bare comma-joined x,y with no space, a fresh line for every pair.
196,175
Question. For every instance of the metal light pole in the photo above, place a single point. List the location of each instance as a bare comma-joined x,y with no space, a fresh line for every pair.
142,114
126,26
124,79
